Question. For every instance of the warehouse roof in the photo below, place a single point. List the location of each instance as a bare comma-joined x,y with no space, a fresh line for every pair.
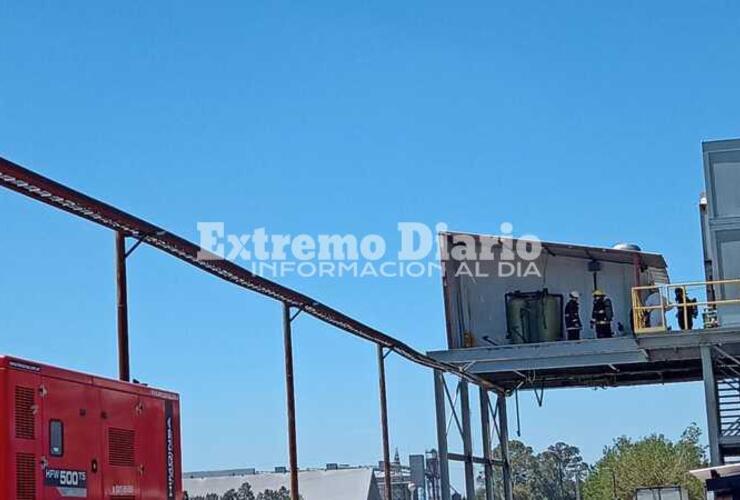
341,484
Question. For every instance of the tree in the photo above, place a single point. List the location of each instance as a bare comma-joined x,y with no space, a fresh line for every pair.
557,470
245,492
230,495
281,494
523,466
550,474
653,461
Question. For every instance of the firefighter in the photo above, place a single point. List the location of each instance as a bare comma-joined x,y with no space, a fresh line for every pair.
602,315
686,310
573,325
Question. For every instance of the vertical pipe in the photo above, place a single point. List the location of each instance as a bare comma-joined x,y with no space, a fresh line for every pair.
503,427
710,395
444,462
384,425
485,416
290,393
467,440
124,368
708,265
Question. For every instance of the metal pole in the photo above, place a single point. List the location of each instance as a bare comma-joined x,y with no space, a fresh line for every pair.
503,431
290,392
444,462
708,266
467,440
124,367
710,396
485,416
384,425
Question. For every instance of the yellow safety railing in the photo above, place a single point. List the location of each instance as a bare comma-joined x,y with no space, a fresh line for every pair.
650,304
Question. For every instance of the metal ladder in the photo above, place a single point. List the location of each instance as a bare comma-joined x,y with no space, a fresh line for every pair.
727,386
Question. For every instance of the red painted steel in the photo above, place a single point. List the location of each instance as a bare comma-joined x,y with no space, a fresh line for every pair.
69,435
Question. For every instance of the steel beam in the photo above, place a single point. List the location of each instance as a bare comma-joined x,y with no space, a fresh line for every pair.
443,459
384,425
467,438
503,433
559,362
45,190
459,457
124,366
712,406
535,351
485,417
290,396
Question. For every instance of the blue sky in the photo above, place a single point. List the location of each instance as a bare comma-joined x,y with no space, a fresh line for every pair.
575,121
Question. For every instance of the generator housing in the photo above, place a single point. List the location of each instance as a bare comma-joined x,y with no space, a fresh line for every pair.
71,435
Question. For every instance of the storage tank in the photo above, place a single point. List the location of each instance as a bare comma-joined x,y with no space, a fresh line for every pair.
552,313
518,319
534,317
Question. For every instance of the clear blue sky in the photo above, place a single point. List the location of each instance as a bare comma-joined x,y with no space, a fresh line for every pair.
576,121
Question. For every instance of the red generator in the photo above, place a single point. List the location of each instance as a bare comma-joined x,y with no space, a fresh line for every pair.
69,435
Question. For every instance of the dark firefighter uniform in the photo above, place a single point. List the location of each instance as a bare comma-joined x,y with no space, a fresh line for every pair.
686,311
573,325
602,315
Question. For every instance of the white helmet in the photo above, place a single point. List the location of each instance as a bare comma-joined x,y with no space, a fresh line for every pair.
575,295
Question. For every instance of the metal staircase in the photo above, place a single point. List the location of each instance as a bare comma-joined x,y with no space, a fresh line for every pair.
727,386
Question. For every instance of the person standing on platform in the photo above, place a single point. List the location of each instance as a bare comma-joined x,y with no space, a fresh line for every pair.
573,325
602,315
686,310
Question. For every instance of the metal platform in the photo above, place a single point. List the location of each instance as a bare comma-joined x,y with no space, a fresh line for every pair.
711,356
621,361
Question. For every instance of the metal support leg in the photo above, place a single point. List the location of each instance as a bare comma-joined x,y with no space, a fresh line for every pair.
485,416
290,393
384,425
504,445
124,368
467,440
710,395
444,463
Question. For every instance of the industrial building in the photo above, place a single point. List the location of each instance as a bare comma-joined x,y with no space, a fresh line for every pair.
326,484
408,482
633,325
341,481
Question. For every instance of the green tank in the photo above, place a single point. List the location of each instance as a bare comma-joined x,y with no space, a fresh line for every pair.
552,314
518,320
534,317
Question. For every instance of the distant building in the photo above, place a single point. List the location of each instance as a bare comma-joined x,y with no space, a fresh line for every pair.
335,483
408,482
